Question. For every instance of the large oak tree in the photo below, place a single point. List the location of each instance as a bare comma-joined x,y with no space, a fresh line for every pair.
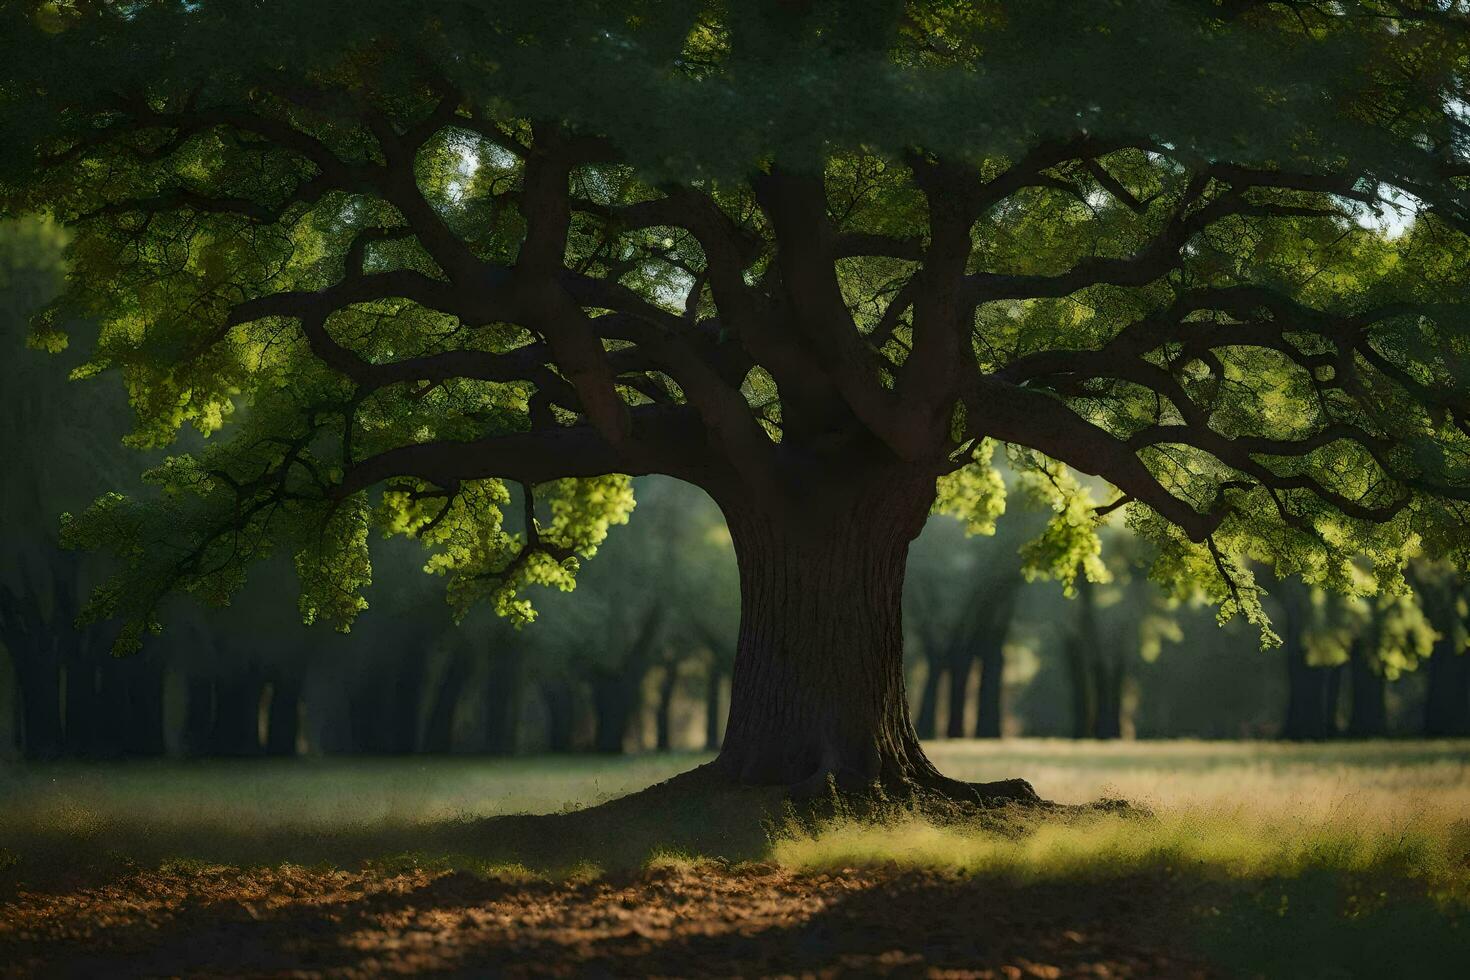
821,259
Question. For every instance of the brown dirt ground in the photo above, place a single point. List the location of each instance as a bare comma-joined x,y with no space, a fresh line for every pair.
706,920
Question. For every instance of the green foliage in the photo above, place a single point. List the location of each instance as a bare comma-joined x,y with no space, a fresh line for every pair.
289,221
974,494
485,563
1069,546
1389,630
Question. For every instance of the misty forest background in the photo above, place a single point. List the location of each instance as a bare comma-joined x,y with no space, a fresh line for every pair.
640,658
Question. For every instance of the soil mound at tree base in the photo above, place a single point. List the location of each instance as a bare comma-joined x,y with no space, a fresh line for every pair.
703,812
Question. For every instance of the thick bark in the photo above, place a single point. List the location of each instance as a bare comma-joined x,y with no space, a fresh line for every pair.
818,686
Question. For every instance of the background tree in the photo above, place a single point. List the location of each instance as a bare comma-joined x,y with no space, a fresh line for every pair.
642,612
1443,597
961,599
1377,637
1369,638
59,451
808,257
1118,622
1313,688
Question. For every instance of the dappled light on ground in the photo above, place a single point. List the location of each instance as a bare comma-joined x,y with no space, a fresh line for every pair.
677,919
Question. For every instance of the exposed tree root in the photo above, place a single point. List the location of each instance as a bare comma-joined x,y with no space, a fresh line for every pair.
703,812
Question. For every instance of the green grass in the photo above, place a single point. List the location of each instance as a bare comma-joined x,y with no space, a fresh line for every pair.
1323,860
1388,780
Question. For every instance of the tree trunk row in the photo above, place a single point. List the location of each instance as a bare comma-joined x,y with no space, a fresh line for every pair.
75,699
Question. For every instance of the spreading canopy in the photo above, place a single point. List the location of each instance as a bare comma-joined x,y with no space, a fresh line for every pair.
450,248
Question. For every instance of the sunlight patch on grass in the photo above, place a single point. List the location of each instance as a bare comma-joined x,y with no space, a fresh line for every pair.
666,859
1382,783
1243,842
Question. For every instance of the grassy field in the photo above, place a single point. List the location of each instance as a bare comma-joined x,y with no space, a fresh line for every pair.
1255,859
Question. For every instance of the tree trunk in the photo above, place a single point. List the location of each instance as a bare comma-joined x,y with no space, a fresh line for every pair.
38,679
198,715
614,705
926,723
129,719
996,605
1308,708
1109,699
961,665
36,661
365,712
713,684
1080,648
1447,700
283,718
439,729
1333,697
82,698
79,659
818,685
561,713
503,706
143,676
1084,715
664,715
237,715
404,698
992,667
1368,717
